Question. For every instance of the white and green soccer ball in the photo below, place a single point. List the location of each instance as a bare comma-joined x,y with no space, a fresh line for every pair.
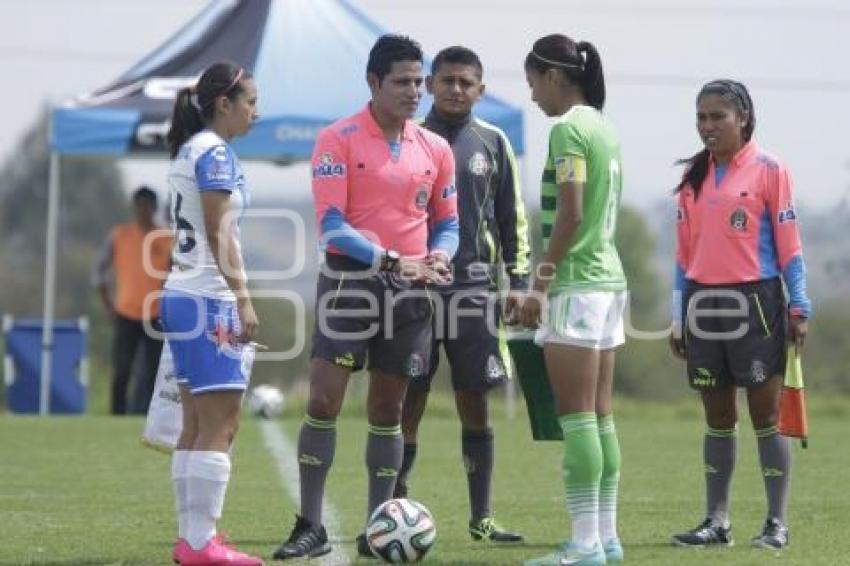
401,531
265,401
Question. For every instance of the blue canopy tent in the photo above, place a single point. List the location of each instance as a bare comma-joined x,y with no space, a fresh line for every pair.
309,62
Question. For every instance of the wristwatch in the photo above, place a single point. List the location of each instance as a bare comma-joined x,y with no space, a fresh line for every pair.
390,259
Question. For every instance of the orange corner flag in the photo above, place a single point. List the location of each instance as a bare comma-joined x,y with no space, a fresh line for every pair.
792,402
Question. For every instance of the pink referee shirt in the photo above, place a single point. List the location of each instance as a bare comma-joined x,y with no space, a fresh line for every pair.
390,201
743,230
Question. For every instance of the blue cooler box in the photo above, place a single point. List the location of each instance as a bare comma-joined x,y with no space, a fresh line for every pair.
22,365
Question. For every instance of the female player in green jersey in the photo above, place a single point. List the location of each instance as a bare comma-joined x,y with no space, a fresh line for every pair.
579,291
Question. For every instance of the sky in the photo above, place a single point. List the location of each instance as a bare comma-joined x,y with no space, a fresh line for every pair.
656,54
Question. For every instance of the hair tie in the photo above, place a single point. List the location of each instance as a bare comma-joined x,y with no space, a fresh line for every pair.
557,63
193,100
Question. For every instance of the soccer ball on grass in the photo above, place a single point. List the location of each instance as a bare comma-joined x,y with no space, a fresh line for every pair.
401,531
265,401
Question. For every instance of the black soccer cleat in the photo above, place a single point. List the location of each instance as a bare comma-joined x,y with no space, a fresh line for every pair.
774,535
489,530
306,541
708,533
363,547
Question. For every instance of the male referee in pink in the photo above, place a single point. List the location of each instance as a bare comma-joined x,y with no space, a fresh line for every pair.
386,207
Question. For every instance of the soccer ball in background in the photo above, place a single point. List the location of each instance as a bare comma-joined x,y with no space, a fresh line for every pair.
265,401
401,531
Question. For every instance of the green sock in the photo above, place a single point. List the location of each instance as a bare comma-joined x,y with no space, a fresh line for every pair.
610,478
582,468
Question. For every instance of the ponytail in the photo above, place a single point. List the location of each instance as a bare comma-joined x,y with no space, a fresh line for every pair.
194,107
696,172
593,81
186,121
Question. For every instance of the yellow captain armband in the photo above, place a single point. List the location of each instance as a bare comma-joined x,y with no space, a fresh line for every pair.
570,169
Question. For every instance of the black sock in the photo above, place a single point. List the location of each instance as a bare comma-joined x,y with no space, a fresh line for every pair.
316,447
407,460
477,447
775,458
719,451
384,447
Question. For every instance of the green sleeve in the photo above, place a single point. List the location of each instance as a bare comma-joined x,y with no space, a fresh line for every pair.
566,139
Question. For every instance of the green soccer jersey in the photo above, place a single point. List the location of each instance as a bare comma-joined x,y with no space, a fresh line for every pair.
583,148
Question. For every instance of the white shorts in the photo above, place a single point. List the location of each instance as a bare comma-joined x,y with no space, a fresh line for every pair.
588,320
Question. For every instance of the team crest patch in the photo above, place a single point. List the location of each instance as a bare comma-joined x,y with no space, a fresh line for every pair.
495,368
787,214
478,164
224,338
327,168
415,365
422,197
738,220
758,371
219,153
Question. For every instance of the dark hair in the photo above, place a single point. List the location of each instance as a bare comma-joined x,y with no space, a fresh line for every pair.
391,48
558,51
737,95
195,106
144,193
458,55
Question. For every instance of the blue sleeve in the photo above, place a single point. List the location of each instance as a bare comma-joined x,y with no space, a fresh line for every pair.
215,169
794,276
445,236
337,232
678,294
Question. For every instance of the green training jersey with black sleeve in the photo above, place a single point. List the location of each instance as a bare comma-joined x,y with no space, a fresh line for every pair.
584,149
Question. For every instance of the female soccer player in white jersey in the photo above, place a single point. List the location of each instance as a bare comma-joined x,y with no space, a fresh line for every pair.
583,280
206,310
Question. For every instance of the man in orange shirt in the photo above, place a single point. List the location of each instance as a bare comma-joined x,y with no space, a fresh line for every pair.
139,256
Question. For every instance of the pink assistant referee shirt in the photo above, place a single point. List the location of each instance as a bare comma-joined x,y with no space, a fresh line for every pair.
743,230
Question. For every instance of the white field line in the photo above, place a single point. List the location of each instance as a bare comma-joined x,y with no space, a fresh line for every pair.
286,458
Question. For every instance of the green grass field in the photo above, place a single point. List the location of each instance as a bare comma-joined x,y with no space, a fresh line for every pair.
82,491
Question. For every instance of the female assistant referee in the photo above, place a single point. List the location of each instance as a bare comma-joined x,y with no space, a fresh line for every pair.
737,240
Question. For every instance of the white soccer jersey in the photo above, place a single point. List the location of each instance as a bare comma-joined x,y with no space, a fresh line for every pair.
205,163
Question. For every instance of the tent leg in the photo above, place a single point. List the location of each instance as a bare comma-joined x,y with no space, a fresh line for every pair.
49,284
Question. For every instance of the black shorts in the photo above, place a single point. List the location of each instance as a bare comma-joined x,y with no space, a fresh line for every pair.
745,346
468,325
380,316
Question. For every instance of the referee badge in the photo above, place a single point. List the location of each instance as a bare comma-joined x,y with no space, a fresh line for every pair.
738,220
422,197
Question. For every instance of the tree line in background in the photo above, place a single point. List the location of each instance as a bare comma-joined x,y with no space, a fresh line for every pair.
94,198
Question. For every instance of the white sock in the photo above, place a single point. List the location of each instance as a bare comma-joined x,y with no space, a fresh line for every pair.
207,474
179,460
585,532
608,523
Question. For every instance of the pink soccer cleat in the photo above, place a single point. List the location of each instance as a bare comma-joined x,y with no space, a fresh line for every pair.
215,553
180,545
